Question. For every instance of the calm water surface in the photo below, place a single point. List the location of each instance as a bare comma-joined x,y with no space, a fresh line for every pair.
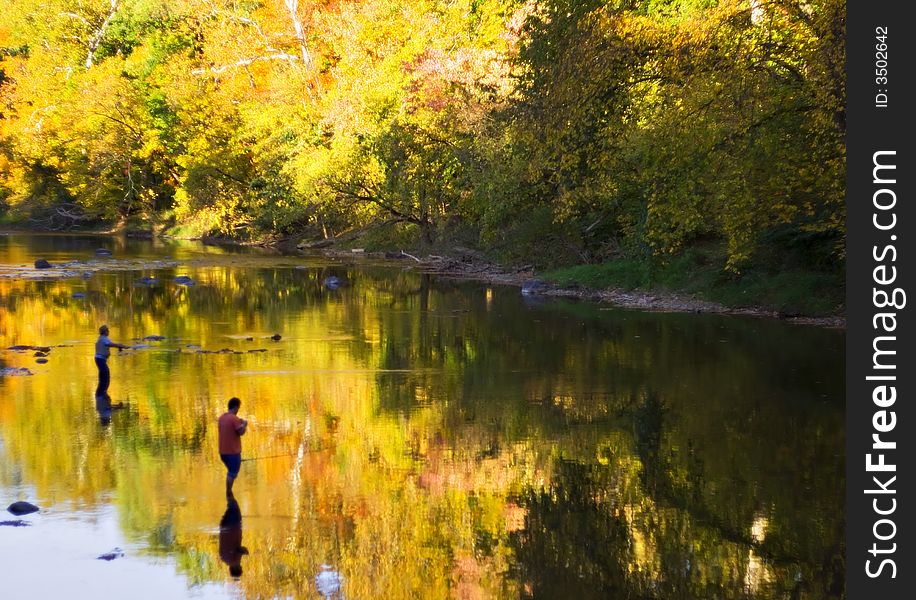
413,437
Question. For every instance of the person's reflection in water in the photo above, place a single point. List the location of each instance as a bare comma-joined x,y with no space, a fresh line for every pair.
104,407
231,549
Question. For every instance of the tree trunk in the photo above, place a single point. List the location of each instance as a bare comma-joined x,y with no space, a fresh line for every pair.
293,7
100,33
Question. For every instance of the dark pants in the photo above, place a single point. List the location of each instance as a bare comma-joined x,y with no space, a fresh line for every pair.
233,463
104,376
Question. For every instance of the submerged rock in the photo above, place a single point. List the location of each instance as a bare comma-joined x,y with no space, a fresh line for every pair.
22,508
21,347
16,523
41,361
116,553
102,252
276,337
42,264
78,295
147,281
14,371
154,338
333,282
184,280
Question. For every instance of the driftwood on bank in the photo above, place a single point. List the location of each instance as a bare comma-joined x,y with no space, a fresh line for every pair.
62,218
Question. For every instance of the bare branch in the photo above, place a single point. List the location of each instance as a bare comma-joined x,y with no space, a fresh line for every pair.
137,134
75,16
256,27
293,7
244,62
100,33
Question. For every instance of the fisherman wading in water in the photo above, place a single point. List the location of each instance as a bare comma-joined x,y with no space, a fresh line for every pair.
231,429
103,348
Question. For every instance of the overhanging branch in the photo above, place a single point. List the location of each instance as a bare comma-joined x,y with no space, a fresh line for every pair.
244,62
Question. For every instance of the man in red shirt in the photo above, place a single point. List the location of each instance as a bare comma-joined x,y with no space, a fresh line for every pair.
231,429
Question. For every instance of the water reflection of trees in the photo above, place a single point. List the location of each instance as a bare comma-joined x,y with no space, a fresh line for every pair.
724,441
475,444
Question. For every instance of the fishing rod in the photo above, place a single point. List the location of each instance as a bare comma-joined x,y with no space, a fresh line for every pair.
272,456
296,453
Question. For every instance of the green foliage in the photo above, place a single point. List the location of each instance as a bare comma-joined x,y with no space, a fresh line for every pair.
789,284
672,129
625,274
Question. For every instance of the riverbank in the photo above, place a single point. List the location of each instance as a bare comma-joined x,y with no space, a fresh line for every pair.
468,265
626,284
691,283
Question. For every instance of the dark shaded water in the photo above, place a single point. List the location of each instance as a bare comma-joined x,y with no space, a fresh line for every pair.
415,436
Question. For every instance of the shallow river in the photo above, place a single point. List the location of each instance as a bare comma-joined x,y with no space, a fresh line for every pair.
410,436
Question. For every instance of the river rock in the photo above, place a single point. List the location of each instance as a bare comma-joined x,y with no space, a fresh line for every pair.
41,361
78,295
116,553
20,347
102,252
147,281
184,280
276,337
22,508
154,338
40,354
534,287
42,264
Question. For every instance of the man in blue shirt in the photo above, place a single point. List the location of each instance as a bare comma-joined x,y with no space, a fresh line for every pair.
102,351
